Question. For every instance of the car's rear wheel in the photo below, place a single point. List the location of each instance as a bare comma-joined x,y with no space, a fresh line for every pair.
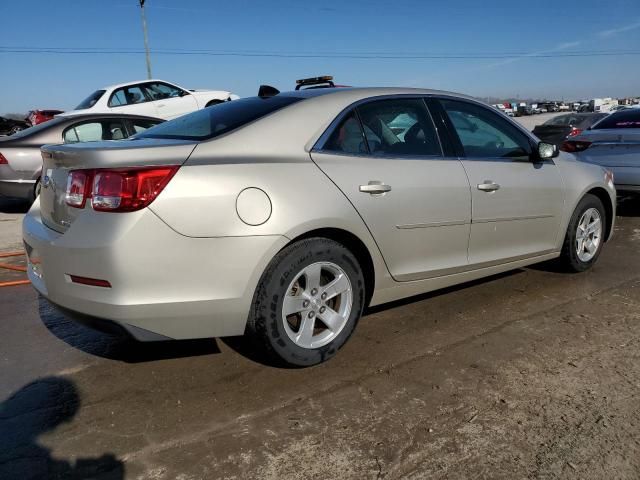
585,235
15,129
308,302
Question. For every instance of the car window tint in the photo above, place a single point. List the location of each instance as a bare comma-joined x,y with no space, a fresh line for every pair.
562,120
127,96
485,134
347,138
95,131
161,91
213,122
140,125
629,118
399,127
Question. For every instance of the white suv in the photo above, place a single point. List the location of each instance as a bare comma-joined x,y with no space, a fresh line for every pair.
153,98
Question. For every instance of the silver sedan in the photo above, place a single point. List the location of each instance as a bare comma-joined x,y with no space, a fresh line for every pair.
284,216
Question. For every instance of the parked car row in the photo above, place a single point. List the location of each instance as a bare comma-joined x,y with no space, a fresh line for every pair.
404,191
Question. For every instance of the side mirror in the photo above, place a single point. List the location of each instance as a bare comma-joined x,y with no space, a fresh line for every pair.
547,151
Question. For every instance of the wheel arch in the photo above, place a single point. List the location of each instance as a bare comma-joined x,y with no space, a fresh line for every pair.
604,197
355,246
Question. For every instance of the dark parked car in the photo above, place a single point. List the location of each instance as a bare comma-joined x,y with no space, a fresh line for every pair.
9,126
20,159
557,129
36,117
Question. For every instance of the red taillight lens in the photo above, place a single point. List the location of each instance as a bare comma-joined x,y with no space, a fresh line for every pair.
127,190
94,282
78,188
574,132
3,161
117,190
573,146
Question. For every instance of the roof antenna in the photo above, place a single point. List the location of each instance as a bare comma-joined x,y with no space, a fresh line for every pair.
266,91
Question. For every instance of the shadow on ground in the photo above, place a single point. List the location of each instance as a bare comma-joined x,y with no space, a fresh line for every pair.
37,408
13,205
119,347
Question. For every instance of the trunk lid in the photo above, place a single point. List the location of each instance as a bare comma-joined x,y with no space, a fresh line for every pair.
612,148
58,160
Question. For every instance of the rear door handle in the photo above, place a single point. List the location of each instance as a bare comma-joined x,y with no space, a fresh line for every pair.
488,186
375,187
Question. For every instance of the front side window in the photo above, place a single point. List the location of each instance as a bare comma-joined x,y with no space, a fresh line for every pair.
161,91
127,96
91,100
139,125
483,134
95,132
213,122
399,127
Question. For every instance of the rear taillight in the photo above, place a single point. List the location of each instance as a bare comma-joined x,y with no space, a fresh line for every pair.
3,161
78,188
573,146
574,132
118,190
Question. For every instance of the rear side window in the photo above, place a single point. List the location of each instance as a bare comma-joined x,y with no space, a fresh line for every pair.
485,134
213,122
348,137
624,119
399,127
91,100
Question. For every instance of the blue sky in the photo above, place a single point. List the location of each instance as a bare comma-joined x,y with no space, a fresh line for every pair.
391,27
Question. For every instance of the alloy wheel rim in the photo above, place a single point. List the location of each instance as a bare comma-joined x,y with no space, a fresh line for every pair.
317,305
588,235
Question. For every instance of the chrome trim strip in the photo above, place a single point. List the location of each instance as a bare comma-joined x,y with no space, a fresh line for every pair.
432,224
509,219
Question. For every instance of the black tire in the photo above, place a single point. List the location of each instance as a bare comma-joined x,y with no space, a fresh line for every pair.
213,103
266,323
569,259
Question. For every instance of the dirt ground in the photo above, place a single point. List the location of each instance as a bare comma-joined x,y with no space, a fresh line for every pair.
531,374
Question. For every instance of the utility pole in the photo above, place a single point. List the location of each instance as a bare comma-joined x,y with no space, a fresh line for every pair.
146,38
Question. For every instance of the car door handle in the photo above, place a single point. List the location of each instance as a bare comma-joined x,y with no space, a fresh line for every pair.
488,186
375,187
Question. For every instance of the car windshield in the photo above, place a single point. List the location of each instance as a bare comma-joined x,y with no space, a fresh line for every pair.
629,118
215,121
91,100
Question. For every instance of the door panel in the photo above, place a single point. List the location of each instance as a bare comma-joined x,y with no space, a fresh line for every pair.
521,218
417,207
517,203
132,100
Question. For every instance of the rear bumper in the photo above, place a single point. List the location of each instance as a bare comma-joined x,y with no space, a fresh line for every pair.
17,188
164,285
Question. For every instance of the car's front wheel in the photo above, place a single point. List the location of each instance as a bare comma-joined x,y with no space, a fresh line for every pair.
585,235
308,302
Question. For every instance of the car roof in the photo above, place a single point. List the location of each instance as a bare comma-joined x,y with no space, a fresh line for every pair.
89,116
119,85
359,93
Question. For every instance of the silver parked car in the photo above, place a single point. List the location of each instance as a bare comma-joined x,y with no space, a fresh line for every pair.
283,216
20,158
614,143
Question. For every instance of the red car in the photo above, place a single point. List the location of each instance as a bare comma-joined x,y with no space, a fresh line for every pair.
38,116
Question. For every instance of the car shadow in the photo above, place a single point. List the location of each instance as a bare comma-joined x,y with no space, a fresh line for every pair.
35,409
13,205
628,206
437,293
119,347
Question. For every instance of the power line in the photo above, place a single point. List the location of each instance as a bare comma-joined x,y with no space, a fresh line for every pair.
330,55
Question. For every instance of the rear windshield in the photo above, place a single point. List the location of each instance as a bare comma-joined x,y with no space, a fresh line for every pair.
623,119
217,120
91,100
562,120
